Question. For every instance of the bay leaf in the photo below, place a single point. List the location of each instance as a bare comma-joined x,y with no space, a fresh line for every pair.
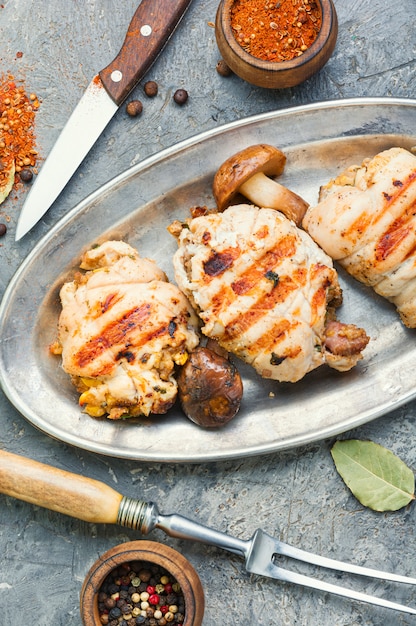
376,476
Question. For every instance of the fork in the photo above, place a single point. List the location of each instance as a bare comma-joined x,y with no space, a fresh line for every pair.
93,501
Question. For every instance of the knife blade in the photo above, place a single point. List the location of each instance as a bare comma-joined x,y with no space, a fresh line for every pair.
150,29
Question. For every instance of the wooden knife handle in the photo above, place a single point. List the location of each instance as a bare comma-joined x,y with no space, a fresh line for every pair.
80,497
149,30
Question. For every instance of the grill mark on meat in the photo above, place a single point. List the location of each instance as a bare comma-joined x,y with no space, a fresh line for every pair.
390,240
358,227
269,341
397,232
250,278
259,309
126,354
321,296
219,262
318,301
114,333
400,190
109,302
365,220
222,299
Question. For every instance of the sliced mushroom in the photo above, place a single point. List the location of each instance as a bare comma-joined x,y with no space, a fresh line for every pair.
249,173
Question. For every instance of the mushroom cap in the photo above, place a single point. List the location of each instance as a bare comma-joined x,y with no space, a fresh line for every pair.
241,166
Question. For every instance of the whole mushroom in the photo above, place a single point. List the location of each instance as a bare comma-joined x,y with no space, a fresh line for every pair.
249,173
210,387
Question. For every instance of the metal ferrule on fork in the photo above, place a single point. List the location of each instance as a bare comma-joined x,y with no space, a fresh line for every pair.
137,514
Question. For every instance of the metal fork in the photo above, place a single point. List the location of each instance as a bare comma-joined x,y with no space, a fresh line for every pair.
260,552
93,501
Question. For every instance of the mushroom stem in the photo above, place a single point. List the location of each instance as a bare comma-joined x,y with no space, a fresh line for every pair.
267,193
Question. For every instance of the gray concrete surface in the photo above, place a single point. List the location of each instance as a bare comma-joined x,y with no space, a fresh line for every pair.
297,494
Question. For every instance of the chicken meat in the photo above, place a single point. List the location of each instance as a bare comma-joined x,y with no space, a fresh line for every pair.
366,221
122,329
265,291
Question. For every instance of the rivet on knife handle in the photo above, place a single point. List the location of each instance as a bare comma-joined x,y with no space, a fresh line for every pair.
151,26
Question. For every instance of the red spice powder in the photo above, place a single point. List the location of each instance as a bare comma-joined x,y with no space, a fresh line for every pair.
17,133
276,31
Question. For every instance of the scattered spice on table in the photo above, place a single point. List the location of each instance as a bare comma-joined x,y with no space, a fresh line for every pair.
180,96
151,88
134,108
276,31
18,151
140,593
223,69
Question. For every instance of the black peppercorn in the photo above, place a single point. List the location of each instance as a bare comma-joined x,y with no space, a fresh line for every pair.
151,88
114,613
145,575
26,175
109,603
171,598
134,108
161,602
3,229
180,96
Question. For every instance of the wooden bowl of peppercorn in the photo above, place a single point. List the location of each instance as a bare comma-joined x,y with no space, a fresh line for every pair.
276,44
142,582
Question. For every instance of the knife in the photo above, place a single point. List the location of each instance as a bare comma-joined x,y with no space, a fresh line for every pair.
150,29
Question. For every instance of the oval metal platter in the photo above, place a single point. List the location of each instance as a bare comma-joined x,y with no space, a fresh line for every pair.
137,206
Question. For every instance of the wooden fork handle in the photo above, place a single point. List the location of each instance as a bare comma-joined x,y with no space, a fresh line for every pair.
58,490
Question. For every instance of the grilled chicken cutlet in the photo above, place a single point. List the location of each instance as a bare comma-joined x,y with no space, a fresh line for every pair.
122,329
266,292
366,220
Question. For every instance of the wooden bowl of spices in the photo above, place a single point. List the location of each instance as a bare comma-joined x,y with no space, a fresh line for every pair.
142,582
276,44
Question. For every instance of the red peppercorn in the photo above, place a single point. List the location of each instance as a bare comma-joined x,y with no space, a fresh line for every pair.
150,589
168,588
164,609
154,599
